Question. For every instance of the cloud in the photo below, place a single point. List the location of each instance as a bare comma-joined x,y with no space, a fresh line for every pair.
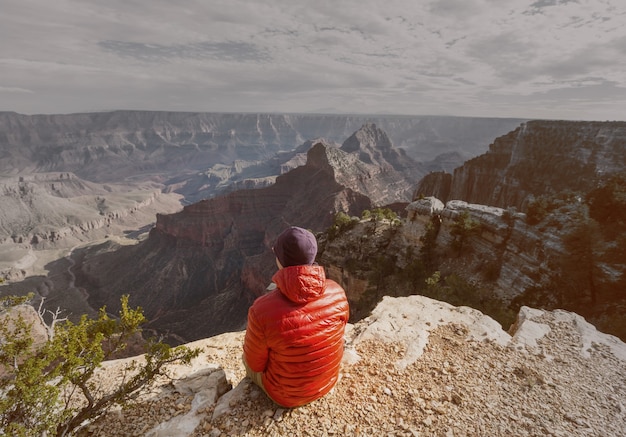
4,89
457,57
539,6
237,51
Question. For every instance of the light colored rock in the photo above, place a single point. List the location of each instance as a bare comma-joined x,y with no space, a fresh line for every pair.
235,396
410,320
528,331
426,206
525,330
424,368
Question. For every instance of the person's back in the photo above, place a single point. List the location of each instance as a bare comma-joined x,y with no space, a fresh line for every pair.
294,340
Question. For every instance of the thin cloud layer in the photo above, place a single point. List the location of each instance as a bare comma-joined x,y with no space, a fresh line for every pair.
520,58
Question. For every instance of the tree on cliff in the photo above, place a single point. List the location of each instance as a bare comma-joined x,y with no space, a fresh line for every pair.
462,229
607,204
51,387
579,266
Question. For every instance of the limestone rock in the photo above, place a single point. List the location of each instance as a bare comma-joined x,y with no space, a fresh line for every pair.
539,157
109,146
427,206
418,367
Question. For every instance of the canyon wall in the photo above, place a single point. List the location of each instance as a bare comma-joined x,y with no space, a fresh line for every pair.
540,157
485,257
120,144
201,268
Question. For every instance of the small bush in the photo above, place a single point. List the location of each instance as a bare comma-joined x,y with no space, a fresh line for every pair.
491,270
342,223
49,389
458,291
462,229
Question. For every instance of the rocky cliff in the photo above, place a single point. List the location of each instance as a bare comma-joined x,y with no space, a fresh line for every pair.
485,257
386,173
197,154
540,157
415,366
48,207
200,269
78,142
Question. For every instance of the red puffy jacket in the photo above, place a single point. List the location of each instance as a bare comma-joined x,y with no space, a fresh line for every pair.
295,335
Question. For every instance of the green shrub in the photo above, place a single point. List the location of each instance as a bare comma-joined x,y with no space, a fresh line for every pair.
462,229
342,223
379,214
49,388
607,204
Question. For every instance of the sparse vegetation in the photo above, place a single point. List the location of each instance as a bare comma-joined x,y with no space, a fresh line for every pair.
342,223
50,388
458,291
462,229
540,207
379,214
585,276
607,205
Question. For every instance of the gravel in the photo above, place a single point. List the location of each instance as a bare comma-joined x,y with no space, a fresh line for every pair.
459,386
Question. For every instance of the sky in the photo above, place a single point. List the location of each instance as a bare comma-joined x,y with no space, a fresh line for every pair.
550,59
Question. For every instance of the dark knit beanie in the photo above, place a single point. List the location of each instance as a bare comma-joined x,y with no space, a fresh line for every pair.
295,246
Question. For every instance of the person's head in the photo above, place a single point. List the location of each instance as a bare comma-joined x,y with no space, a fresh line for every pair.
295,246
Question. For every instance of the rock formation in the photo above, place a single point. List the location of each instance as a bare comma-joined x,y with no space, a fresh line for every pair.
113,145
415,366
385,165
199,270
539,157
503,263
45,208
385,172
199,155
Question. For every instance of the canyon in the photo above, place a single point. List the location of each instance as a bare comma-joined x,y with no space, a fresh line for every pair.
441,270
201,265
201,154
217,252
208,262
72,180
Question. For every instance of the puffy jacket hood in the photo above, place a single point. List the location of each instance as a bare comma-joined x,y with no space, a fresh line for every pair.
301,284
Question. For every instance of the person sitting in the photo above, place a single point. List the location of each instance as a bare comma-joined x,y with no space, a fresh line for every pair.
294,343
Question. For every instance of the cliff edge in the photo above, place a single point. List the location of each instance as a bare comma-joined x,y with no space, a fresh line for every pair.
415,366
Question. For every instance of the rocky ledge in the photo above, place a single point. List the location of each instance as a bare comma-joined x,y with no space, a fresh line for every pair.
414,367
